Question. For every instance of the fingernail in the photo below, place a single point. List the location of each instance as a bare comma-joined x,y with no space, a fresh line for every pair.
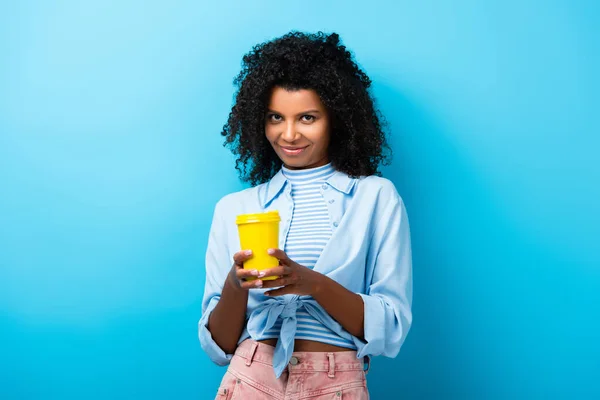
258,283
248,252
267,294
261,274
255,272
271,251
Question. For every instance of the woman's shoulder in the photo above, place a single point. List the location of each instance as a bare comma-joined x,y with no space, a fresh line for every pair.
380,185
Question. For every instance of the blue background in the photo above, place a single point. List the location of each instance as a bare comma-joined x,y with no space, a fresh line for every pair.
111,163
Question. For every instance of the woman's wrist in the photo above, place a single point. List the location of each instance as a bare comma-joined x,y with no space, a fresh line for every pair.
233,282
320,284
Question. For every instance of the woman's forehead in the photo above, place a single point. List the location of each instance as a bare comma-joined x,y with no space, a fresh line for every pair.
293,101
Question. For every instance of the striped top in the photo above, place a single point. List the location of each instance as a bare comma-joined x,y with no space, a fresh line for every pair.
308,234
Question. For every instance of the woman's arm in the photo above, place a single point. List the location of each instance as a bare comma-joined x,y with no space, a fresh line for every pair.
225,294
344,306
227,320
388,295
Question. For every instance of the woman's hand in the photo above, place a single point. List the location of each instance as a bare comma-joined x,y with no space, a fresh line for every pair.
238,275
293,278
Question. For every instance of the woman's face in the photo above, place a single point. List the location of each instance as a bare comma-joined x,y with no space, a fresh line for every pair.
297,126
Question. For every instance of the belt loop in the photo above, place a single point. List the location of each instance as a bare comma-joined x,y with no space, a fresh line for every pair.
252,351
331,372
367,362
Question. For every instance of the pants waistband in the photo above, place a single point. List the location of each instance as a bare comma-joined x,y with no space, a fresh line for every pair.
253,351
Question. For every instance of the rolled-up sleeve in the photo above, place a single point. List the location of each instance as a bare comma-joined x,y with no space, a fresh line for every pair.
388,297
217,268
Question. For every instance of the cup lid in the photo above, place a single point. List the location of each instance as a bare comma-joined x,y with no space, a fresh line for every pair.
269,216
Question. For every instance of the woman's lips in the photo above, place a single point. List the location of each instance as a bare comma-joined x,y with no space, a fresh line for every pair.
293,151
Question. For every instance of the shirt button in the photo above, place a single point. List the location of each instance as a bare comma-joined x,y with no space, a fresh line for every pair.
335,224
331,201
294,361
325,186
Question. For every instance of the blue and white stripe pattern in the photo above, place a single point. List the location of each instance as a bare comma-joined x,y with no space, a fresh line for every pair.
308,234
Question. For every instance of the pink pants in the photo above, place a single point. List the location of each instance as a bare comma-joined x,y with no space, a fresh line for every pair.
309,375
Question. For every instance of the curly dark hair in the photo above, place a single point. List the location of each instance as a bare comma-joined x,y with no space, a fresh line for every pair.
297,60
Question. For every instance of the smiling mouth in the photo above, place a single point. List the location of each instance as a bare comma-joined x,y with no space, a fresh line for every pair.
293,151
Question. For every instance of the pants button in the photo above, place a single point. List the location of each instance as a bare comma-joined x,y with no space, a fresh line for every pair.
294,361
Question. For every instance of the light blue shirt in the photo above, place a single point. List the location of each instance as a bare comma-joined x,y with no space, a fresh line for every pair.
369,253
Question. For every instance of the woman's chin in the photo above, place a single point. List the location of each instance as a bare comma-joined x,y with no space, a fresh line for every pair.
295,162
302,162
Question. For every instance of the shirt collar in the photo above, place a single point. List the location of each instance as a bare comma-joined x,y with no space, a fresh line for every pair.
339,181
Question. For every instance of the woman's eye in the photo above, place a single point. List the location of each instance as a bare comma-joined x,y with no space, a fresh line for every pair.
274,117
311,118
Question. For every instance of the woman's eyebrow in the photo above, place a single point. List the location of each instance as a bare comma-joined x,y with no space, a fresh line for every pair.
301,113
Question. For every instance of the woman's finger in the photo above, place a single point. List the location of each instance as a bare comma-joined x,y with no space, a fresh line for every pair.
247,285
280,255
281,291
241,256
284,281
242,273
281,270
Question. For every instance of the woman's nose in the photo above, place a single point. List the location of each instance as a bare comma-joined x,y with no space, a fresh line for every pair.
290,134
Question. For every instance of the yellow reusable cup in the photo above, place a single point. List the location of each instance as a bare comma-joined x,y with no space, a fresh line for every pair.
259,232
